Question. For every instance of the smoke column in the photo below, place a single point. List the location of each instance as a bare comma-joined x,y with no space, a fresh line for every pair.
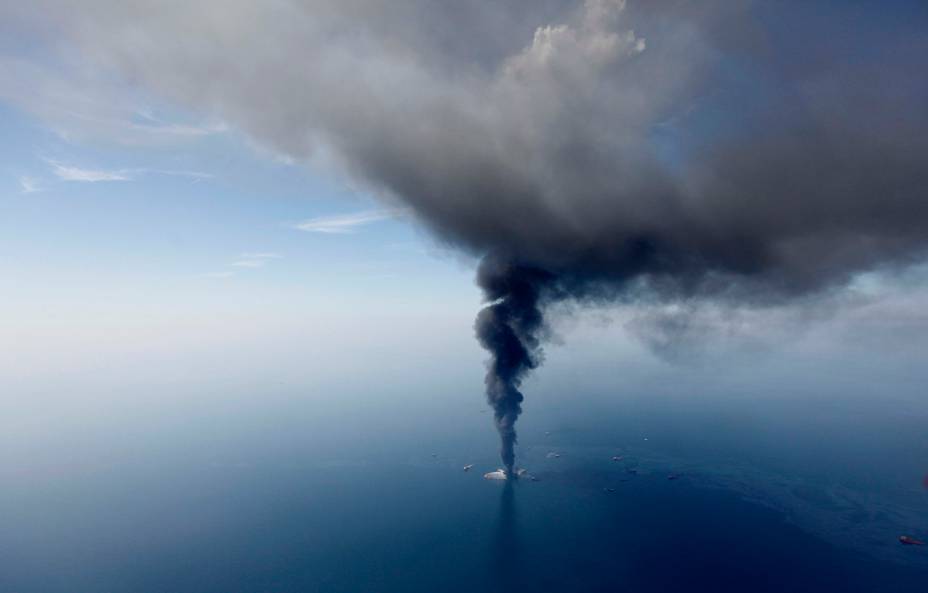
508,327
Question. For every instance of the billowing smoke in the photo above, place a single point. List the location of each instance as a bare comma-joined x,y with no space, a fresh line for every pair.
509,328
653,151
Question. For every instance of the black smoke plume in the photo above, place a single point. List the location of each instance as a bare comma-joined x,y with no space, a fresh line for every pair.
509,328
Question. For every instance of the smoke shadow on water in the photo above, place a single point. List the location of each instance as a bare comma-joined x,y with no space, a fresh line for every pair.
506,546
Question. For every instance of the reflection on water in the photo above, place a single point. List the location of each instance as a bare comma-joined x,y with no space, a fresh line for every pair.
505,560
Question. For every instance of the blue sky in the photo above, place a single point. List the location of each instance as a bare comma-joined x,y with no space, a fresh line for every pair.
122,249
205,207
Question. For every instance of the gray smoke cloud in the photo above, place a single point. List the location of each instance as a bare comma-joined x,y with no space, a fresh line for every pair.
660,151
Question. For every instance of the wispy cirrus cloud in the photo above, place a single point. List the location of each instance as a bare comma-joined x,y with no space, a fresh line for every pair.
146,121
71,173
83,104
255,260
343,223
68,172
196,176
30,185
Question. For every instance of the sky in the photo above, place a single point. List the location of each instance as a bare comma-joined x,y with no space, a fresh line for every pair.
110,247
156,221
148,282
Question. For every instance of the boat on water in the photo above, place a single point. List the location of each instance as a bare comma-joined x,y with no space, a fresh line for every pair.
501,474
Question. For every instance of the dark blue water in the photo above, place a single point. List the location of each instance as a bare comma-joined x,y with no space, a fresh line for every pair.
284,504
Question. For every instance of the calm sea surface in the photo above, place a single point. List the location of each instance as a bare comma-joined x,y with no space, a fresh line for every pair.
796,497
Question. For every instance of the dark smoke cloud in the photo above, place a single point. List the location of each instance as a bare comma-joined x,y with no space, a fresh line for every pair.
664,151
509,328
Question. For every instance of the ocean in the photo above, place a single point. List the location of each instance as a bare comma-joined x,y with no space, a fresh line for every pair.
636,493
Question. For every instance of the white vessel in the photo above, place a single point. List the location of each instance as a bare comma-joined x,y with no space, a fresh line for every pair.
501,474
